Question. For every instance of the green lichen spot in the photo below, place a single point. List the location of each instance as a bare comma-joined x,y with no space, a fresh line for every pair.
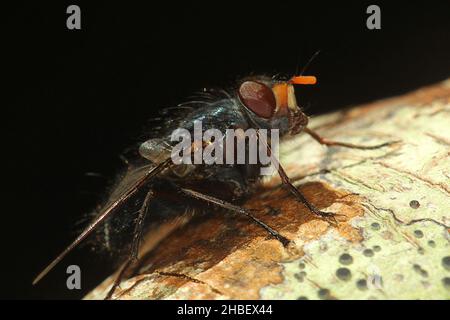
446,283
414,204
375,226
420,271
344,274
368,252
299,277
446,262
418,233
345,259
361,284
323,293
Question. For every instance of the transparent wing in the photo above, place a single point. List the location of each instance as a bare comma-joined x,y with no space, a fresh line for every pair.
131,184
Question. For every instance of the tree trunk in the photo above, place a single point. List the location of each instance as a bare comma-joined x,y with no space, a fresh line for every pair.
392,240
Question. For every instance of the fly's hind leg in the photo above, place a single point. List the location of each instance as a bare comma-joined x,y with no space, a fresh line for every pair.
237,209
134,251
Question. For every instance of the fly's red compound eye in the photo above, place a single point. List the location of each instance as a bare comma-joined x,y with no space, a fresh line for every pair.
258,98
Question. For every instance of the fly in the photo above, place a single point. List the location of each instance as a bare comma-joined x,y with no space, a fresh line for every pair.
161,187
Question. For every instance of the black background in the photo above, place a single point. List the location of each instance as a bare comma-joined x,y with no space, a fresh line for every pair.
74,99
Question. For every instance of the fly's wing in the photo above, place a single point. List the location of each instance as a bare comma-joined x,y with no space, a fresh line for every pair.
128,188
116,230
133,174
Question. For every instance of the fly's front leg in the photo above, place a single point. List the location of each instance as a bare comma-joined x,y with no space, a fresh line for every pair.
137,237
328,142
329,216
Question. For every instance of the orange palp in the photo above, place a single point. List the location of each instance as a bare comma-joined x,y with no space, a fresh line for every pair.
303,80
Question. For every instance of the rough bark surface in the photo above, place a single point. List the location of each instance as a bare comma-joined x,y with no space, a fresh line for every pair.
392,240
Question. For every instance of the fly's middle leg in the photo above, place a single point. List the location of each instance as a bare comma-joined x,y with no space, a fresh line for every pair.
229,206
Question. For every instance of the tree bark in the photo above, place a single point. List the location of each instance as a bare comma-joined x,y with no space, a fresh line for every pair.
392,240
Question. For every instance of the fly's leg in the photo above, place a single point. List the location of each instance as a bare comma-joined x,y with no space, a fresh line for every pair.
328,216
137,237
237,209
119,278
328,142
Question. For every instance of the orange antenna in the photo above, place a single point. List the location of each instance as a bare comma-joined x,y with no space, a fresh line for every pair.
303,80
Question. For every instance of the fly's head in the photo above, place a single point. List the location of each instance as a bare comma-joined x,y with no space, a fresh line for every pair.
272,103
